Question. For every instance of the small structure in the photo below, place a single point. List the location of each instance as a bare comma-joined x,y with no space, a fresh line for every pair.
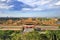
30,21
29,24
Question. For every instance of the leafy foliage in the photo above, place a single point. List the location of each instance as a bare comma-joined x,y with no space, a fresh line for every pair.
34,35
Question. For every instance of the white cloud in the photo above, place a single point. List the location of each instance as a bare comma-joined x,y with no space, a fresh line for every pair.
57,3
8,1
42,2
54,5
35,9
26,9
29,9
29,2
5,0
5,6
2,0
37,4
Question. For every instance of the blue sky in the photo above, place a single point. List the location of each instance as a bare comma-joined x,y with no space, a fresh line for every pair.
30,8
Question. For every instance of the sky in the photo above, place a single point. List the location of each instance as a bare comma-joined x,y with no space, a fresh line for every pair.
30,8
